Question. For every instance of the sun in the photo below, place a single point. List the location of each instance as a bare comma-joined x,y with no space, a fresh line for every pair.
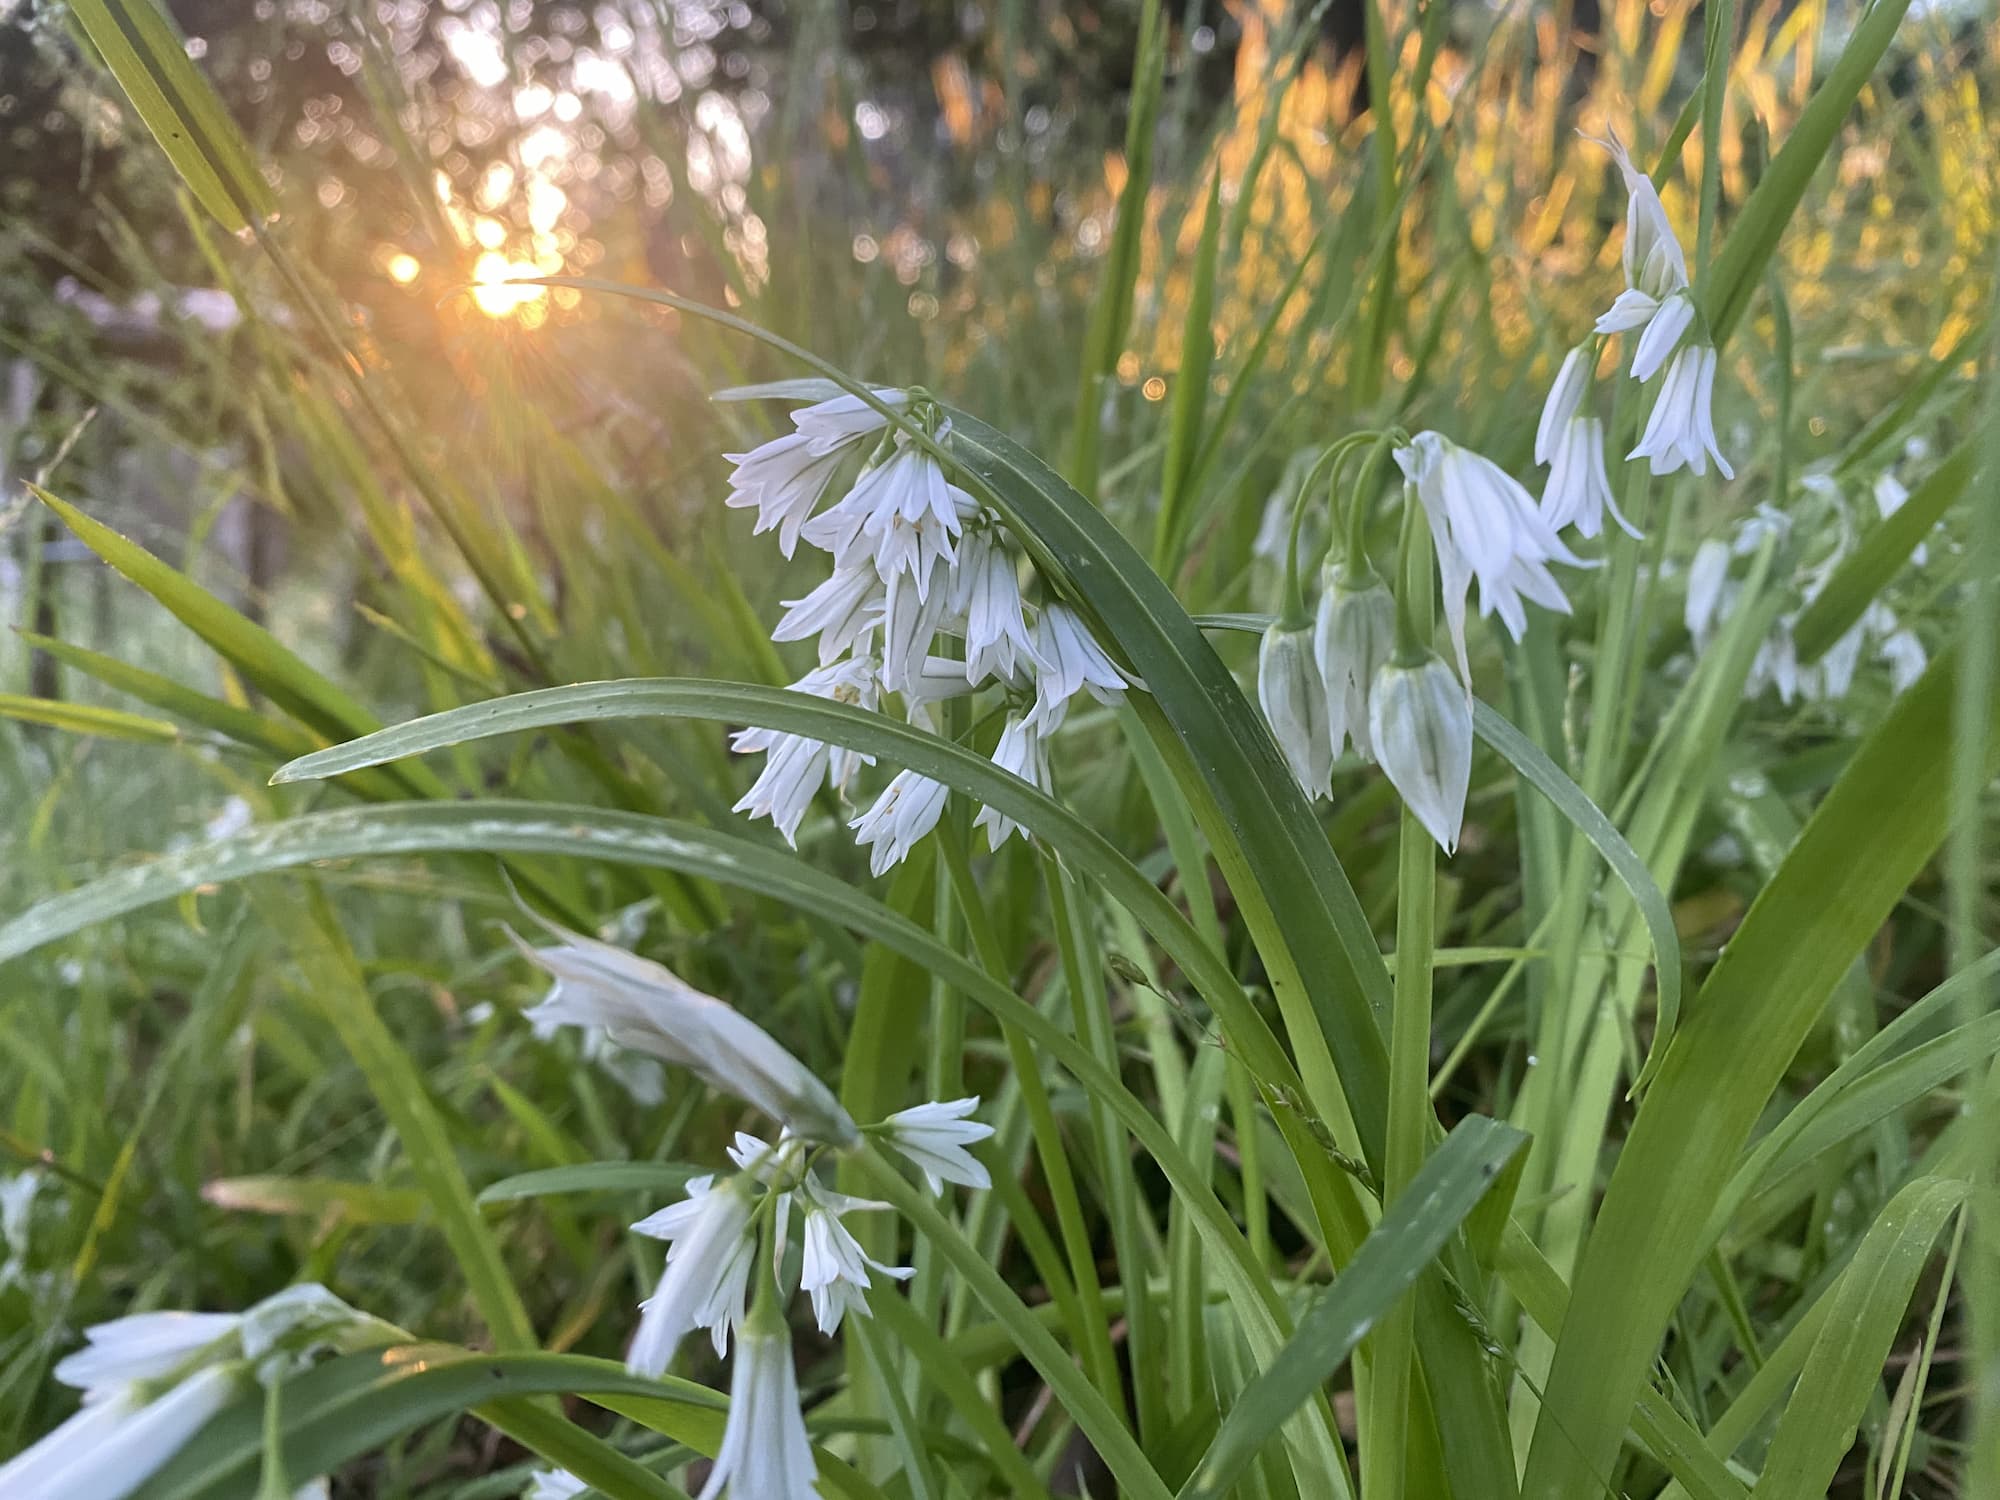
497,289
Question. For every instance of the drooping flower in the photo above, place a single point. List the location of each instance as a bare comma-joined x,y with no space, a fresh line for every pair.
765,1452
1655,268
795,766
1485,526
784,479
1023,751
1709,593
113,1446
1579,491
1902,651
1354,634
1421,720
907,487
986,596
1565,400
911,617
1681,429
1071,662
1294,699
842,611
709,1258
834,1271
908,809
933,1137
142,1346
1662,335
651,1009
842,419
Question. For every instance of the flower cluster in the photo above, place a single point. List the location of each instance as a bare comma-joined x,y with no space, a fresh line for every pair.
152,1380
1658,305
915,558
729,1266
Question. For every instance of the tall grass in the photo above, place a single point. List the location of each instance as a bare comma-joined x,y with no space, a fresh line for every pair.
1644,1146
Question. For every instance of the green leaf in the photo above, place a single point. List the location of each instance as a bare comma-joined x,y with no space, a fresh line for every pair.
1873,832
591,1177
1412,1230
1866,571
87,718
1844,1369
316,1197
148,58
1190,403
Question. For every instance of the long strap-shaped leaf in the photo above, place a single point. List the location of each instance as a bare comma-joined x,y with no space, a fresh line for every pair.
1875,829
1397,1251
150,62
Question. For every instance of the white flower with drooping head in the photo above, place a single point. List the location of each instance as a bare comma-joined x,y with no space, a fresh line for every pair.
842,611
1902,651
908,809
933,1137
911,618
842,419
834,1271
1655,268
907,487
986,596
1710,595
1294,699
1023,751
1681,429
143,1346
1421,720
1565,402
1662,335
1485,526
553,1484
784,479
1579,491
710,1253
795,766
1071,662
115,1444
650,1009
1354,634
765,1452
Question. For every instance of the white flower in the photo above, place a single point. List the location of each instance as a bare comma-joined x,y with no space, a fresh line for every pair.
1485,526
1294,700
765,1453
907,486
1579,492
1655,268
907,810
282,1333
1421,721
553,1484
784,480
1071,661
1776,664
1890,496
17,1214
832,423
834,1272
1904,655
1565,399
1708,593
986,595
650,1009
795,766
1662,335
933,1137
1023,751
843,612
144,1346
1681,429
1354,633
118,1442
709,1257
910,619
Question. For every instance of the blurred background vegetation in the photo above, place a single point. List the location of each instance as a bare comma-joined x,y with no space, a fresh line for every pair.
925,193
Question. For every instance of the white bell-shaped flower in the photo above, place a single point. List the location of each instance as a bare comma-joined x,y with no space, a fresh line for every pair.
843,612
796,766
986,597
784,479
1681,429
711,1250
1579,491
1354,634
908,809
843,419
933,1137
1294,700
650,1009
1023,751
835,1270
1420,718
1655,268
1071,662
765,1452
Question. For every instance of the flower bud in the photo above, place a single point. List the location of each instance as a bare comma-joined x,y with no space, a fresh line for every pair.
1421,720
1353,637
1295,703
